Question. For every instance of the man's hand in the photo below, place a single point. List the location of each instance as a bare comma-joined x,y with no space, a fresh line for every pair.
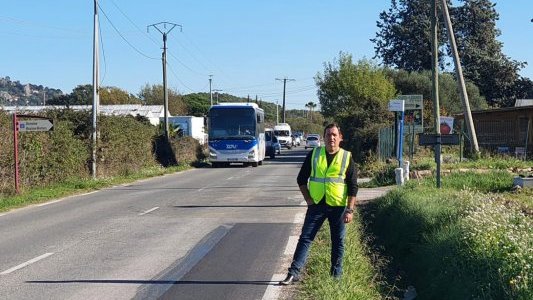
348,217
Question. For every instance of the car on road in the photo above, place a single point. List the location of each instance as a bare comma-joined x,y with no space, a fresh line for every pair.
276,145
296,140
273,146
312,141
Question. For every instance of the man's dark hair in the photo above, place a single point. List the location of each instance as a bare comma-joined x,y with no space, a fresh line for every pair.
331,125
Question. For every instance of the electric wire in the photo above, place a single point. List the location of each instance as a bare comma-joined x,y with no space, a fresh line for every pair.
190,40
177,78
103,51
123,38
135,25
191,54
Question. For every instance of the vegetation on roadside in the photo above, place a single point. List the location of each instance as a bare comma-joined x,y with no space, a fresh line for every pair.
471,239
57,163
359,280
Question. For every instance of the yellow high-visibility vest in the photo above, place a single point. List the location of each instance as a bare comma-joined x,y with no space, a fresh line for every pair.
329,181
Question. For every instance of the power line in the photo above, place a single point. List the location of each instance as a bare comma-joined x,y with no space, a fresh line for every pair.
177,78
125,40
135,25
103,52
192,55
284,87
206,57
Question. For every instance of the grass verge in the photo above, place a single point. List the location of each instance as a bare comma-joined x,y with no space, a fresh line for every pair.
471,239
359,280
78,185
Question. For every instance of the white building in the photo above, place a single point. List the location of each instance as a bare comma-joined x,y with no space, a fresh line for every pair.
152,112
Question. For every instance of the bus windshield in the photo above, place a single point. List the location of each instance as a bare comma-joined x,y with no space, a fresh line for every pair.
237,123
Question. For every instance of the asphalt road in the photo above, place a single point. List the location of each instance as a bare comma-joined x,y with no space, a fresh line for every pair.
199,234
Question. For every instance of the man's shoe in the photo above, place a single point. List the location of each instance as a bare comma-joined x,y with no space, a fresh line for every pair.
290,279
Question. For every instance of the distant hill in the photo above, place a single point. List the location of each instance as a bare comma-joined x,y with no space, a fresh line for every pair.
16,93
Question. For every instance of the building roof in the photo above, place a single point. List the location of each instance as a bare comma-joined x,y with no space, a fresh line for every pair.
148,111
523,102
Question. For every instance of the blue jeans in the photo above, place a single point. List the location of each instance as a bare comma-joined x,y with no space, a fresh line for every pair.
314,218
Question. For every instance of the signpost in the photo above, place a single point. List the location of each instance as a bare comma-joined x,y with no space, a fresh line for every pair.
414,109
37,123
398,106
437,139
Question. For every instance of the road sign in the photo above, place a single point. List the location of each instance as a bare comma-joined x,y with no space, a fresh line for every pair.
433,139
414,109
35,125
396,105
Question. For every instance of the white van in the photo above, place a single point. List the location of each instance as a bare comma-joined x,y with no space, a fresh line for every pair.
283,132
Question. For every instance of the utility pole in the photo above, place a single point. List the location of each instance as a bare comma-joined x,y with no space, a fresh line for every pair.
216,92
96,92
277,112
435,84
164,32
284,86
460,78
210,91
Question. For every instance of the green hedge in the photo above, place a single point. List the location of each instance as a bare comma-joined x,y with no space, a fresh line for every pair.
126,144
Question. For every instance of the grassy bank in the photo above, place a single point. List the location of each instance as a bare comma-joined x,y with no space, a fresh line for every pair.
359,280
78,186
471,239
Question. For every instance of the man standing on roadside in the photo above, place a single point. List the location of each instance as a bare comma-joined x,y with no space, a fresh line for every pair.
328,182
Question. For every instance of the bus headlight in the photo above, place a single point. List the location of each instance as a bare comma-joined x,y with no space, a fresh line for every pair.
251,154
212,154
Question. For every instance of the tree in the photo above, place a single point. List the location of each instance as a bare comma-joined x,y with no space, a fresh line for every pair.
153,95
197,104
81,95
311,106
404,35
356,96
481,53
114,95
403,41
419,83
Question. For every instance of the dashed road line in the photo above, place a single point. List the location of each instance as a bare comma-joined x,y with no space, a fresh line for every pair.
29,262
149,211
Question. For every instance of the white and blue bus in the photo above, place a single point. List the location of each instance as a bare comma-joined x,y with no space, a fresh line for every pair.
236,134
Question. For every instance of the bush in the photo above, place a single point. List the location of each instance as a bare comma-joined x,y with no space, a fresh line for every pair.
125,145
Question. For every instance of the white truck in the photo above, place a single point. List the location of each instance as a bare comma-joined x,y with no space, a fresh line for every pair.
189,126
283,132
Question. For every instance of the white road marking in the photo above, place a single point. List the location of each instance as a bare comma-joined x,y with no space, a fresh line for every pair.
299,218
229,178
273,289
47,203
291,245
148,211
29,262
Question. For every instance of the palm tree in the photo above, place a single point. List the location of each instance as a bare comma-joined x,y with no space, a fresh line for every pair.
311,105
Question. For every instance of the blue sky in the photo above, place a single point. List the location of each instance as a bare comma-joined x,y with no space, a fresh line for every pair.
246,45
